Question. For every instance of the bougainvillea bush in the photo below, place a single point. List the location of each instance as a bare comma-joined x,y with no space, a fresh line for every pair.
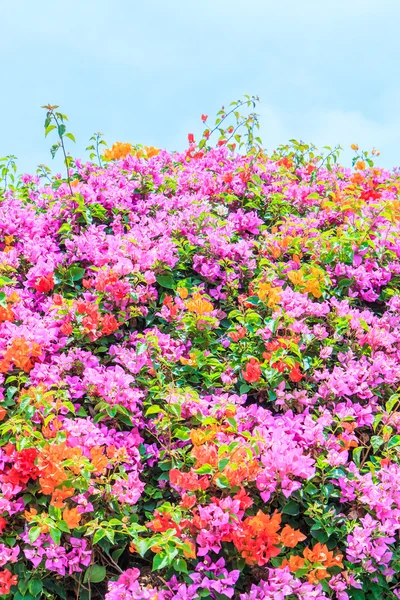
199,369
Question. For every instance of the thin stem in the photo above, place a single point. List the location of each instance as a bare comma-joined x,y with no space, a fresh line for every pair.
64,152
97,150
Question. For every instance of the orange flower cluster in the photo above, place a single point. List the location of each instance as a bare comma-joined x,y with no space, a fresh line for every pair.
52,472
199,305
183,292
147,152
191,361
99,460
311,285
316,561
258,539
202,436
269,294
241,467
8,240
6,312
117,151
21,354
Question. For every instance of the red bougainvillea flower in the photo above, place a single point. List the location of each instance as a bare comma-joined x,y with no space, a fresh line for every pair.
191,138
252,372
3,524
295,374
204,118
109,324
44,283
7,580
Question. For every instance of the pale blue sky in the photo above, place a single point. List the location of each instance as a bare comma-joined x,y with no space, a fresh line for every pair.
144,71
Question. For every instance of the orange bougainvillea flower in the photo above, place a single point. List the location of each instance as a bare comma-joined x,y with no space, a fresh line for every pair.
117,151
152,151
191,361
21,354
312,287
3,413
30,514
183,292
321,554
59,495
71,517
316,575
6,314
199,305
347,443
291,537
99,461
267,293
360,165
294,563
200,436
258,539
188,481
50,463
206,454
296,277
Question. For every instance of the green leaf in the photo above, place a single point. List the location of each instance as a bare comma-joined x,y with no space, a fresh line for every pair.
48,129
160,561
5,280
180,565
166,281
55,535
244,388
345,283
95,574
391,402
35,587
51,585
357,455
394,441
222,464
223,482
205,470
34,533
182,434
71,137
291,508
61,130
100,533
376,442
23,586
76,273
65,228
153,410
357,594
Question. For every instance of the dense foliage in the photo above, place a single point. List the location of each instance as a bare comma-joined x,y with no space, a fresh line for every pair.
199,368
